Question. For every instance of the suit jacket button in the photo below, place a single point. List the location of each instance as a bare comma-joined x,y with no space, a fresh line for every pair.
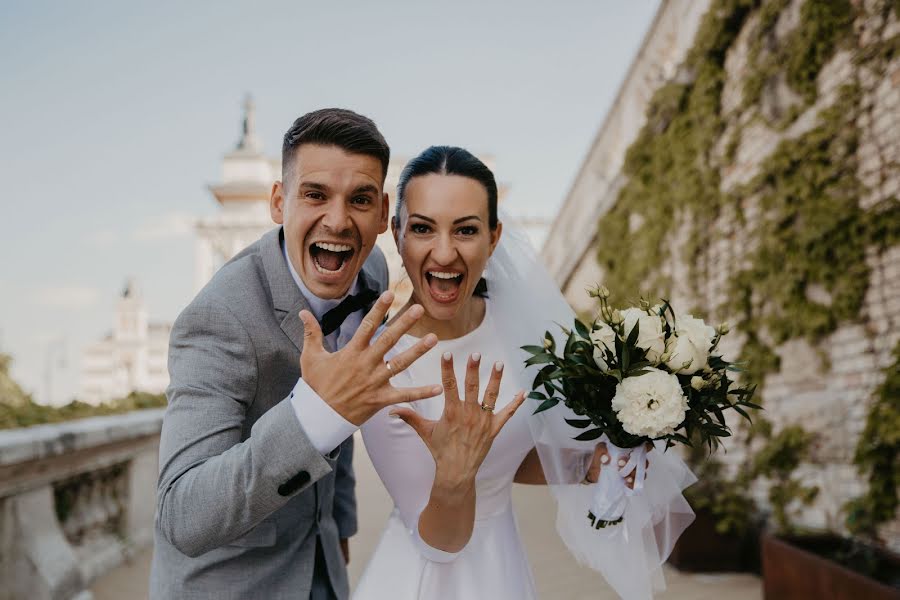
294,483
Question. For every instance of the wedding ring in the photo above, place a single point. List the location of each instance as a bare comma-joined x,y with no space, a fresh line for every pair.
487,407
389,368
604,459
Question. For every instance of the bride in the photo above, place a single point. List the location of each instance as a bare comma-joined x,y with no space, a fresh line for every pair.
449,463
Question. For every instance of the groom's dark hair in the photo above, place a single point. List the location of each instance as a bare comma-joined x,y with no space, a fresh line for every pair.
339,127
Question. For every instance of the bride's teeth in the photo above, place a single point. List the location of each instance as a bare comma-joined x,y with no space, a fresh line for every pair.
440,275
333,247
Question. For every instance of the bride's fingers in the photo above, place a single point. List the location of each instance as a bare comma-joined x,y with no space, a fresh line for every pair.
472,383
420,424
597,461
504,415
492,391
448,378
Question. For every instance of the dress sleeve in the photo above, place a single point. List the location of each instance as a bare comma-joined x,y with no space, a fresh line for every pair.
406,468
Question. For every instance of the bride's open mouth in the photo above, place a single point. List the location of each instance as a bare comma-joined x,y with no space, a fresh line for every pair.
331,259
444,286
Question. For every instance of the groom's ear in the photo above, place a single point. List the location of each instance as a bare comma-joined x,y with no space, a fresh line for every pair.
276,202
385,212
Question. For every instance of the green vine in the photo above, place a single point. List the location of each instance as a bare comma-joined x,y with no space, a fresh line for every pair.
805,271
878,458
801,55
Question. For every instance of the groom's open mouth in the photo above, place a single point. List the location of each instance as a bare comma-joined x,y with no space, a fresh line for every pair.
443,285
329,258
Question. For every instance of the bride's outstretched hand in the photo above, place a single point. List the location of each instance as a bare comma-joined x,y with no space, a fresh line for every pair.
462,437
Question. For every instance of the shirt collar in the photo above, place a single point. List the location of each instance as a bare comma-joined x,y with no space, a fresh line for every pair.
318,306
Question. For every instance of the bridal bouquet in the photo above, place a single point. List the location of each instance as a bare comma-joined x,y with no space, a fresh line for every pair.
633,376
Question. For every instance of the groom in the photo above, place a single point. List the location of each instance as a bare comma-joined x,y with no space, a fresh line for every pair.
272,372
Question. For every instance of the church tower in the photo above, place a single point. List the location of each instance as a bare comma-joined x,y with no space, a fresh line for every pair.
243,195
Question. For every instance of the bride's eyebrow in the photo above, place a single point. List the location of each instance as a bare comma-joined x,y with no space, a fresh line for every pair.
455,222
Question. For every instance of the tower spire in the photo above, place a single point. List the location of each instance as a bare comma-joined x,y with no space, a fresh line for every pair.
249,141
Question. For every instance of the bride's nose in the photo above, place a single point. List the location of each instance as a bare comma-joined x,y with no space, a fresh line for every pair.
444,251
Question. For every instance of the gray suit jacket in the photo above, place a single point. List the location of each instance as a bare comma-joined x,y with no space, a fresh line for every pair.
242,493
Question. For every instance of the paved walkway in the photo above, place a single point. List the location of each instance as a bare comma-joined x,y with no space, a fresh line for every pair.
557,576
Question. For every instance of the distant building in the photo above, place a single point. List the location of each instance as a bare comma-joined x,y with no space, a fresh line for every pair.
132,357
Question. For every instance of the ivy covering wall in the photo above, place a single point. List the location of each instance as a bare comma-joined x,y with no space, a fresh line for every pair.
804,271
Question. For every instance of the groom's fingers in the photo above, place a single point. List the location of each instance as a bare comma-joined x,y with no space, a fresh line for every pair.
400,362
372,321
312,332
395,330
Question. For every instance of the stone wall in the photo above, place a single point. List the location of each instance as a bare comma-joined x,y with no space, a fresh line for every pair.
825,383
75,501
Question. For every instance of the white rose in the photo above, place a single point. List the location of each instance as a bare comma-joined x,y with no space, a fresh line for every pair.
651,404
691,343
604,335
650,332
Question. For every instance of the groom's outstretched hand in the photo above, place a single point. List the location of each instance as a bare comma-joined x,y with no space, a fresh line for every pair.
355,380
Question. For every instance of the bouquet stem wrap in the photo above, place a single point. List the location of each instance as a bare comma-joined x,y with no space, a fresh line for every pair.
611,494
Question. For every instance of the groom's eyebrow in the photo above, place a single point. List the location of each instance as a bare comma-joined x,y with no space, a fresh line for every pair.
365,189
314,186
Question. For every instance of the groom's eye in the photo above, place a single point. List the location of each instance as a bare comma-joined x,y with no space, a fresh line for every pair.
361,200
315,195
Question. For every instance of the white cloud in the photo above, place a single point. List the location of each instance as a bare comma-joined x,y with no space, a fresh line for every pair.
168,226
72,297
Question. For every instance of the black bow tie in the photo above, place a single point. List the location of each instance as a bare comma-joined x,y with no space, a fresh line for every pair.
332,319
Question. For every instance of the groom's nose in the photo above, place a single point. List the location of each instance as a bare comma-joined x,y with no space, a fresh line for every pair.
337,217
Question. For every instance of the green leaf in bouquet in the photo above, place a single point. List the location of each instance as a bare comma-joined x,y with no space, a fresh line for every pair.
741,411
719,416
537,396
545,405
680,438
549,341
587,436
633,336
579,423
534,349
582,329
539,359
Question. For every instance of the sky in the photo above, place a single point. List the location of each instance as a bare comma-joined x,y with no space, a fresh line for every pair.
114,117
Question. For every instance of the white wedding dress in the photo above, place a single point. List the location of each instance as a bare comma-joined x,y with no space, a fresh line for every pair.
493,564
524,302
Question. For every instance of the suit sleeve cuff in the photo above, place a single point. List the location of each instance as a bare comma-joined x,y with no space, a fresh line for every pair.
324,427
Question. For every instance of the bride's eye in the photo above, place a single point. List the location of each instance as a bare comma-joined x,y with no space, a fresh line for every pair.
419,228
468,230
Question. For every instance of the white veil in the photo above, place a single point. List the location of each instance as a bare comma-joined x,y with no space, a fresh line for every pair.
527,302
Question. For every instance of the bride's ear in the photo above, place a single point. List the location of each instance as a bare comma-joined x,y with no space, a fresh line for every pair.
395,231
495,235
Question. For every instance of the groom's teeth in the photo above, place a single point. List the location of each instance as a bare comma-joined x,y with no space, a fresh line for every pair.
442,275
333,247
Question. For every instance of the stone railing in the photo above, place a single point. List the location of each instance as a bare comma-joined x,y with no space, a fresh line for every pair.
76,499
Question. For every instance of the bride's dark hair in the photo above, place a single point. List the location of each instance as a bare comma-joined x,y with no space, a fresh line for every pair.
450,160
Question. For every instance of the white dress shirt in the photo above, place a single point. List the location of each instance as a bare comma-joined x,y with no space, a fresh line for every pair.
325,428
